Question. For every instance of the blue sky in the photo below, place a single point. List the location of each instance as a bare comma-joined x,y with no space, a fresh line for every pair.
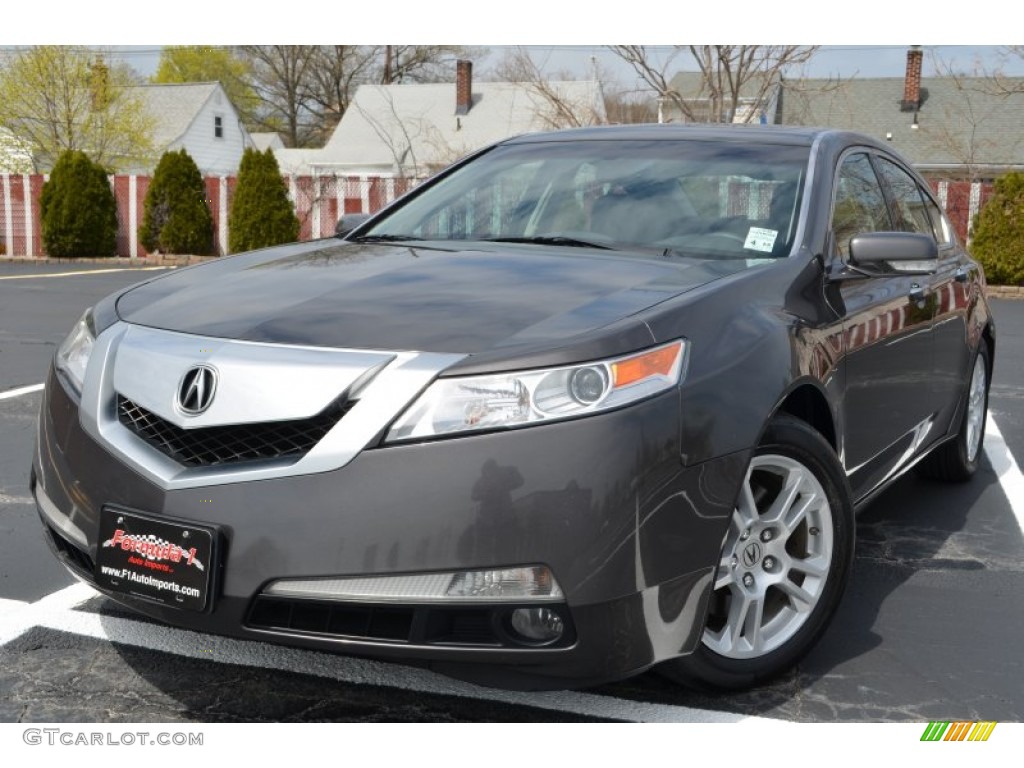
868,38
839,61
842,61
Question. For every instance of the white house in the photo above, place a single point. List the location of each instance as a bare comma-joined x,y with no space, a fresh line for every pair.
200,118
265,141
413,130
15,154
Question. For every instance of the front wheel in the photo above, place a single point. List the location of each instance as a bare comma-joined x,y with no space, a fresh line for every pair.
783,567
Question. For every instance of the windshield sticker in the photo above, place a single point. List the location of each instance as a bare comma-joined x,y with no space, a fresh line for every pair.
759,239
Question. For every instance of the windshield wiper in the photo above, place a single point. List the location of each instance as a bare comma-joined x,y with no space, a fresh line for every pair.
384,238
572,242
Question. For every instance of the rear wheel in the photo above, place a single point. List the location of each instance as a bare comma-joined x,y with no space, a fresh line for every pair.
957,460
783,566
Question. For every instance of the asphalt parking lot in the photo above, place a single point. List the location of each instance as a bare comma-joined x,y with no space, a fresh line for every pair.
930,628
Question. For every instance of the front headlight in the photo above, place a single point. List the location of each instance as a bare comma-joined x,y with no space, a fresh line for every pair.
73,353
477,403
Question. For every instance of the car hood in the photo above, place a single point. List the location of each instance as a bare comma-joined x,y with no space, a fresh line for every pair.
406,297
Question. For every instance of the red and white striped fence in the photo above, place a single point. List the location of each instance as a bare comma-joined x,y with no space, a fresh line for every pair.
319,202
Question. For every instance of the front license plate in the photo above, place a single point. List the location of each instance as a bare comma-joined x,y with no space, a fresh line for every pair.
166,561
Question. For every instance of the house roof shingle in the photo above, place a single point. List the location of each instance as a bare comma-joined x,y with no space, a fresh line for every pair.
960,122
415,126
174,106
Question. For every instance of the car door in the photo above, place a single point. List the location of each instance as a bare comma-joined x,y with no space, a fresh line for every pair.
947,287
887,339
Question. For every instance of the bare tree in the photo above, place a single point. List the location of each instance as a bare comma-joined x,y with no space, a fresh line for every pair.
335,72
397,133
734,82
960,131
305,89
999,83
628,106
554,104
280,78
420,63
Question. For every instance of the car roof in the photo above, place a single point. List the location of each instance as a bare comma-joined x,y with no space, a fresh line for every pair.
767,134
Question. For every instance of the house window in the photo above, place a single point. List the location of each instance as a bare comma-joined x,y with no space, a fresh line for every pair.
218,127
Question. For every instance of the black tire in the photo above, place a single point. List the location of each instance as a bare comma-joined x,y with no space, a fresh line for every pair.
790,452
956,461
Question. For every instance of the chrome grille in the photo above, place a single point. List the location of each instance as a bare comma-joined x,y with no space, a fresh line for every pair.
232,443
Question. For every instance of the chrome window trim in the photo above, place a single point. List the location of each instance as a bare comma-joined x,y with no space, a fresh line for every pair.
802,225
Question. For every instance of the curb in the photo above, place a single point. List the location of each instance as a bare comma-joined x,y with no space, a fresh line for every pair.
114,261
1005,291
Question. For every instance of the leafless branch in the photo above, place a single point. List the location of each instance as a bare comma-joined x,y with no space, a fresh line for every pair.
734,83
553,105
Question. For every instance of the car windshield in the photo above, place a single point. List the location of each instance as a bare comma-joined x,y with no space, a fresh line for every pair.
710,199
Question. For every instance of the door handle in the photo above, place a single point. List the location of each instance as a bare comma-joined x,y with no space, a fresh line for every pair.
916,292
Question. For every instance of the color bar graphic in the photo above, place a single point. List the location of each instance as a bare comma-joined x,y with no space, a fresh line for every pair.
958,730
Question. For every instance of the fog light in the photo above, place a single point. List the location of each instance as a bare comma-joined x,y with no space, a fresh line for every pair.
537,625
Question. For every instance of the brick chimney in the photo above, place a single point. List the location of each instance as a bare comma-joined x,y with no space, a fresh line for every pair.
912,82
463,87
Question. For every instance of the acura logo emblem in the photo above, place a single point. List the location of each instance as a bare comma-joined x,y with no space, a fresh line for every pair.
196,390
751,554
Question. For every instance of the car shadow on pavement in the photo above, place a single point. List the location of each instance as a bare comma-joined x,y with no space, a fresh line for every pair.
893,647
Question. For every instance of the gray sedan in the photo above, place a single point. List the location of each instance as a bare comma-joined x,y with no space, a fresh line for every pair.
583,404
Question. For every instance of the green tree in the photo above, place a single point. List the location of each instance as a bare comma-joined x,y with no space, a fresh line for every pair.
57,98
261,213
176,218
204,63
999,232
78,210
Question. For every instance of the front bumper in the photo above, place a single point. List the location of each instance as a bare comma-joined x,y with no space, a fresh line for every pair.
605,502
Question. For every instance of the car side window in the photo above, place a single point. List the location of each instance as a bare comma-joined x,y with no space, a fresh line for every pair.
908,199
860,205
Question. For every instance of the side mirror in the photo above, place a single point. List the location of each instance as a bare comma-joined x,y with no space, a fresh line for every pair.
896,247
348,222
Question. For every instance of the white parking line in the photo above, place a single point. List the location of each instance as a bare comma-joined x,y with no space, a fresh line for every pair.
1007,470
21,391
10,605
81,272
6,498
56,612
18,619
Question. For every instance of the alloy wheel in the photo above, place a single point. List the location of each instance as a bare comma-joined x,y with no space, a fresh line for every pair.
775,561
976,408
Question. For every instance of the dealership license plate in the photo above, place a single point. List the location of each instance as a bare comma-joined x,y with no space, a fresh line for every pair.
166,561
